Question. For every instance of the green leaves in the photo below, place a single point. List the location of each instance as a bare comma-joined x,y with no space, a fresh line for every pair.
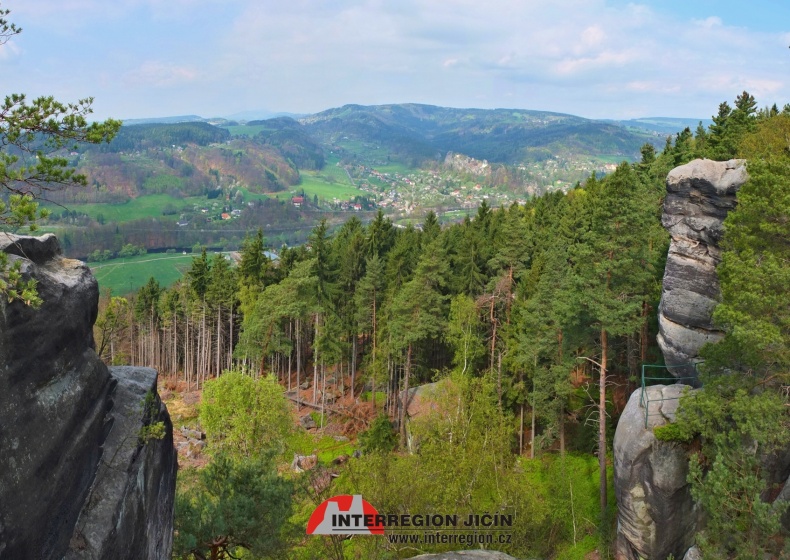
244,417
32,134
234,505
740,425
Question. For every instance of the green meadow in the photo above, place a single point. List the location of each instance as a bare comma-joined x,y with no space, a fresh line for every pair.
123,276
148,206
244,130
313,184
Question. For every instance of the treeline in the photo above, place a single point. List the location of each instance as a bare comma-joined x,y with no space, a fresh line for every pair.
551,305
534,293
522,292
545,295
292,141
279,217
145,136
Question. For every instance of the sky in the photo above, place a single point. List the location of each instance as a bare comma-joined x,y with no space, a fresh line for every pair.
592,58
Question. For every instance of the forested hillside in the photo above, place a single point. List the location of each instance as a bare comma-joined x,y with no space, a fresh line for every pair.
172,186
513,136
535,318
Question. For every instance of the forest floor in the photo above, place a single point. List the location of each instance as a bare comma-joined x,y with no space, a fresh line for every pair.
344,417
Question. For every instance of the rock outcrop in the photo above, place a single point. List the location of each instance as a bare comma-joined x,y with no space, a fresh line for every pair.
76,480
656,514
699,196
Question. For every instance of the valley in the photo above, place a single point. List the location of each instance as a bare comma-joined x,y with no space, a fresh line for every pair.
180,186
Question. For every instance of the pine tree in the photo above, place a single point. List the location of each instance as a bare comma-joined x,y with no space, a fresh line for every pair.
418,315
611,275
720,136
254,262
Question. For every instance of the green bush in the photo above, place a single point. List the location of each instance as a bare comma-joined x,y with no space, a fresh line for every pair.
673,432
243,416
379,437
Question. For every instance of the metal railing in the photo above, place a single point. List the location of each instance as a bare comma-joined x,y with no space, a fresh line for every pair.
644,397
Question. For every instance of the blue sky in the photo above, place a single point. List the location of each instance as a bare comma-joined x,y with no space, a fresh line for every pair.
594,58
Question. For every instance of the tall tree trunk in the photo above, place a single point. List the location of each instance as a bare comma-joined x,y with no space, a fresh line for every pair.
532,434
186,351
315,359
290,353
499,381
405,399
323,391
353,362
562,404
602,429
219,341
492,317
643,339
230,331
298,363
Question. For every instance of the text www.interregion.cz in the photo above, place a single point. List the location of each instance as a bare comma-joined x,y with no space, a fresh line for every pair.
436,537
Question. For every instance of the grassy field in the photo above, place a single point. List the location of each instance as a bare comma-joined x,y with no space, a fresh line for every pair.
313,184
615,159
394,168
123,276
148,206
244,130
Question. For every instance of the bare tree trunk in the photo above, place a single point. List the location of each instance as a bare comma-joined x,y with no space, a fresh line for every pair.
219,342
532,435
298,362
230,331
186,351
499,381
562,404
353,362
290,354
493,334
404,399
315,359
323,391
602,430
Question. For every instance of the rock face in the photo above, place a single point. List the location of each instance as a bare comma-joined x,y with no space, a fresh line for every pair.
129,511
75,480
656,514
699,196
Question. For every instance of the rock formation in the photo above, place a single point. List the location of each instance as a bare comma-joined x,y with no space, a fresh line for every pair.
76,479
699,195
656,514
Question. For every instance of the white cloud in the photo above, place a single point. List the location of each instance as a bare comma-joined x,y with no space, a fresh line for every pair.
708,23
159,74
590,57
9,50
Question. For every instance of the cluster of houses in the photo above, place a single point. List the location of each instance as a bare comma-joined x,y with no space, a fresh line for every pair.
299,201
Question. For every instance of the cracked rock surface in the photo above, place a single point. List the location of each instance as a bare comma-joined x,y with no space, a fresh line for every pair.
656,514
699,196
62,416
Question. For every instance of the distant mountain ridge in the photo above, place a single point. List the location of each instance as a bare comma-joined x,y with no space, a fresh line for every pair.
500,135
415,132
164,120
189,154
665,125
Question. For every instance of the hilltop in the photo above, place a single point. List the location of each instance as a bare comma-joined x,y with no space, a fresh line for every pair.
176,182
